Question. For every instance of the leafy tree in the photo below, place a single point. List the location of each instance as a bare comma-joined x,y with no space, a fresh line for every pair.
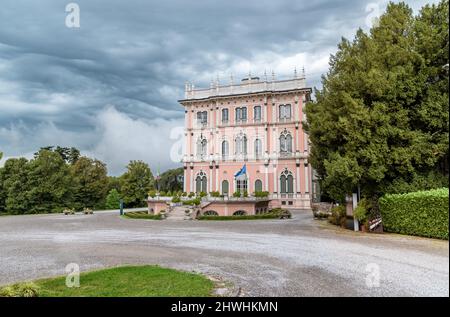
90,182
49,183
170,180
113,199
113,183
13,186
135,183
381,118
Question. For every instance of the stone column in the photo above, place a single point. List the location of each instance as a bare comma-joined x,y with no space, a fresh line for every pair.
306,178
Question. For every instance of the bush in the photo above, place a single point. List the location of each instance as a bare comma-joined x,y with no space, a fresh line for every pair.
191,194
192,202
20,290
237,194
203,194
176,199
280,213
245,193
214,194
338,215
261,194
152,193
184,194
141,215
361,213
423,213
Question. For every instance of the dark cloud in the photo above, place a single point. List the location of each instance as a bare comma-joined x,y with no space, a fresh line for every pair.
129,60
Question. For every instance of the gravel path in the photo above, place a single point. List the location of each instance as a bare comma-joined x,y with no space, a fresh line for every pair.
296,257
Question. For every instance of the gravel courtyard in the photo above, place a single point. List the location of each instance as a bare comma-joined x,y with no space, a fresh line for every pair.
296,257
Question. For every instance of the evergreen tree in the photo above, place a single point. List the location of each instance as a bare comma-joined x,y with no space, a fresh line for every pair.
113,199
381,119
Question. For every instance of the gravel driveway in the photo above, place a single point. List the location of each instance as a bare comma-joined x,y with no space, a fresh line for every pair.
296,257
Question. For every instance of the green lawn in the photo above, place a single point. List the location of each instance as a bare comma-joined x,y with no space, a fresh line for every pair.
141,215
129,281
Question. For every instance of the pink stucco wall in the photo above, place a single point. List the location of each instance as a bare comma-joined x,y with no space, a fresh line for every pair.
268,167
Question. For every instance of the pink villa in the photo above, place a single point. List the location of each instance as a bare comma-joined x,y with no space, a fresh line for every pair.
247,137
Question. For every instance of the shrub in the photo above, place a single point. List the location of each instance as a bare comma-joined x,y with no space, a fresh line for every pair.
192,202
202,194
184,194
237,194
162,193
20,290
361,212
261,194
214,194
152,193
191,194
423,213
338,215
176,199
245,193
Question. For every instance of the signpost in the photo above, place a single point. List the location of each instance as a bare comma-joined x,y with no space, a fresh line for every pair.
121,207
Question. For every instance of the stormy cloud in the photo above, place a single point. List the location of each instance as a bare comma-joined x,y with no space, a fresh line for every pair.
111,86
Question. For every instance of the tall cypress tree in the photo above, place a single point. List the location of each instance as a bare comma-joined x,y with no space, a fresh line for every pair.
381,119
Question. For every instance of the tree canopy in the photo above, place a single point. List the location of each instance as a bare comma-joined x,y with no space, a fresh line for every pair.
381,119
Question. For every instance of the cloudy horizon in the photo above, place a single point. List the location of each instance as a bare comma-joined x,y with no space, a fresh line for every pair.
110,87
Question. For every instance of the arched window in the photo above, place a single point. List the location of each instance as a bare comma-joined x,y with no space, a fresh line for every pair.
225,189
285,143
201,182
225,150
239,213
225,115
258,186
202,146
241,144
258,148
286,182
210,213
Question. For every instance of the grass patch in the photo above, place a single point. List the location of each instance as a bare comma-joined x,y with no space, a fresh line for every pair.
249,217
141,215
129,281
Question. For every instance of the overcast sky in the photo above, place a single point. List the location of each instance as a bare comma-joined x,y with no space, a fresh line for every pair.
111,86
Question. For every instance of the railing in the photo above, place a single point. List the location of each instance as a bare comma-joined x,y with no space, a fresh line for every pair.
246,87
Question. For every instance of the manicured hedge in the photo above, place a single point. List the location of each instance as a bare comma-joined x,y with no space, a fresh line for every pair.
141,215
247,217
423,213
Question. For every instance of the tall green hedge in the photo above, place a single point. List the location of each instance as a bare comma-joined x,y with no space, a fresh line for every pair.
423,213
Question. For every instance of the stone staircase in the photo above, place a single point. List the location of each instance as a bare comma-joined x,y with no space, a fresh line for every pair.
176,213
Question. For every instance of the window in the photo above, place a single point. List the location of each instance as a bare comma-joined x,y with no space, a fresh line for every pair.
202,145
210,213
285,112
200,182
257,113
241,184
285,143
241,114
202,118
225,115
286,182
258,186
258,148
241,144
239,213
225,149
225,187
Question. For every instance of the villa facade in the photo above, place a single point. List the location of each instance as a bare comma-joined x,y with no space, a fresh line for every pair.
248,137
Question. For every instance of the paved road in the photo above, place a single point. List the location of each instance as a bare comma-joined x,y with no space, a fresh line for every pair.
297,257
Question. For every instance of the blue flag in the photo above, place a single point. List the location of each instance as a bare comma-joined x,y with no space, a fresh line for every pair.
243,171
